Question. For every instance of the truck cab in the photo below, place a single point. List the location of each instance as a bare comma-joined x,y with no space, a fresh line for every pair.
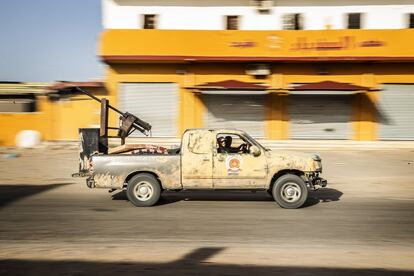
207,162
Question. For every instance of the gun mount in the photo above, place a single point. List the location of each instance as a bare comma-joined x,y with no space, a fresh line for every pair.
128,122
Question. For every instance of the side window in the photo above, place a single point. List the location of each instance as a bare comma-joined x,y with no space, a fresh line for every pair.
17,104
354,21
410,21
232,22
231,143
199,142
149,21
292,21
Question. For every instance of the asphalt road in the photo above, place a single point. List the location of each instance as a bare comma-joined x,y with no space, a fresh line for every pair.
363,223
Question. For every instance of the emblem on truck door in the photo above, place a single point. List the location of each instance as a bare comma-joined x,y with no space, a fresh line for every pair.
233,164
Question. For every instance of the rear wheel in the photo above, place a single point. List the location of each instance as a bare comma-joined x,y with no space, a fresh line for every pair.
143,190
290,191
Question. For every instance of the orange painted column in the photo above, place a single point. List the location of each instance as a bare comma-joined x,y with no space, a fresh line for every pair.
365,121
277,119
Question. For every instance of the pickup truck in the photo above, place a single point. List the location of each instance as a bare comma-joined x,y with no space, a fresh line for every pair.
210,159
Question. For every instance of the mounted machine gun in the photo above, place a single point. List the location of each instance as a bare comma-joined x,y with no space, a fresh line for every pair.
95,140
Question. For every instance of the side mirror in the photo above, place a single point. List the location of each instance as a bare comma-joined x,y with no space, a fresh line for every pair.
255,151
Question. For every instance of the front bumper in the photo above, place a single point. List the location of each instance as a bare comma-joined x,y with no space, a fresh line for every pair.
316,182
319,181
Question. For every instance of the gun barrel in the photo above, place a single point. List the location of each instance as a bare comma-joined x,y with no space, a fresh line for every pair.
98,100
143,124
139,124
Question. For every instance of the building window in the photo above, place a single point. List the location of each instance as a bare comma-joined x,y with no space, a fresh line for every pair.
17,104
411,20
292,21
354,21
149,21
232,22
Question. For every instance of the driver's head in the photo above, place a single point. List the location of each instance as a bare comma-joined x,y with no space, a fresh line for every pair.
227,141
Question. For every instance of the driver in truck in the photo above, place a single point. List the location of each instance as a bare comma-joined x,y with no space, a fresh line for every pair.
224,145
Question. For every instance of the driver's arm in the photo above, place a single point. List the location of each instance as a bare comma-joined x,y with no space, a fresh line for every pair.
242,148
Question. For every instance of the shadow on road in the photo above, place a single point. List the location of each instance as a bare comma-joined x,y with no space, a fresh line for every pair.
322,195
194,263
11,193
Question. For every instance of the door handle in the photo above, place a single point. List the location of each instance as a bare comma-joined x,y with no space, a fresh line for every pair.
206,159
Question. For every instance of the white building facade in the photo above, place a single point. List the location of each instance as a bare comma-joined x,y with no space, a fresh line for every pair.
256,15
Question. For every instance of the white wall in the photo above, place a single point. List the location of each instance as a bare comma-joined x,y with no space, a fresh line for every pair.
209,14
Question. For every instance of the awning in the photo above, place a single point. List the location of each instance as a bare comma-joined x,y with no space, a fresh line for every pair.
69,84
23,88
64,88
230,87
328,88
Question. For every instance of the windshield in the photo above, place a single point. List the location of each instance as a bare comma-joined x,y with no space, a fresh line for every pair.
254,141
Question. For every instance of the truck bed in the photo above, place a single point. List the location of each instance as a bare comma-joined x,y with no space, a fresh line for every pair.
113,170
142,148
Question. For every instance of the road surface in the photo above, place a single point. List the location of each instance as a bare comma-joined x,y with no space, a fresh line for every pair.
363,223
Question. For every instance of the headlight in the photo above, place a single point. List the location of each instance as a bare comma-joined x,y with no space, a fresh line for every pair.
316,157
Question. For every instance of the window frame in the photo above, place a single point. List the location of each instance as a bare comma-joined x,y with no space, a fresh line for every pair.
145,21
348,21
27,103
410,19
227,22
297,23
244,139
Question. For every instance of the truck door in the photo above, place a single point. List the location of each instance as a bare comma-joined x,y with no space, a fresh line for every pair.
196,159
235,167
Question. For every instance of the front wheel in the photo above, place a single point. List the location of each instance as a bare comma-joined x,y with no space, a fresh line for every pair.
290,191
143,190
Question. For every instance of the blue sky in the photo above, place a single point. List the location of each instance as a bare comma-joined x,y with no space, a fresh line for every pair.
47,40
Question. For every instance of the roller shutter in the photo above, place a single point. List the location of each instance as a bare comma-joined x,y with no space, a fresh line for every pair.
245,112
155,103
320,116
396,112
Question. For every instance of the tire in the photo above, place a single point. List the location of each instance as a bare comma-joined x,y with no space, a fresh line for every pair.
143,190
290,191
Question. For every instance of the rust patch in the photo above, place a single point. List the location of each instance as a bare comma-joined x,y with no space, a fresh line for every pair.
109,181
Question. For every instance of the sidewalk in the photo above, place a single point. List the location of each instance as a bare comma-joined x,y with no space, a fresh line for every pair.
295,144
272,144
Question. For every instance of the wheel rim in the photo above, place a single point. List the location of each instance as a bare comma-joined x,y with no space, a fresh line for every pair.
143,191
290,192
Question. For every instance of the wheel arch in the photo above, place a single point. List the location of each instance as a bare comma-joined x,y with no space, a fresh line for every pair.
132,174
280,173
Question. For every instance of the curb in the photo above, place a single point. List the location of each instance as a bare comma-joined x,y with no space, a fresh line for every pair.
296,144
272,144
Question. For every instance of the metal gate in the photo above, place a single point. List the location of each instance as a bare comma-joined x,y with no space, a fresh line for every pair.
320,116
155,103
245,112
396,112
